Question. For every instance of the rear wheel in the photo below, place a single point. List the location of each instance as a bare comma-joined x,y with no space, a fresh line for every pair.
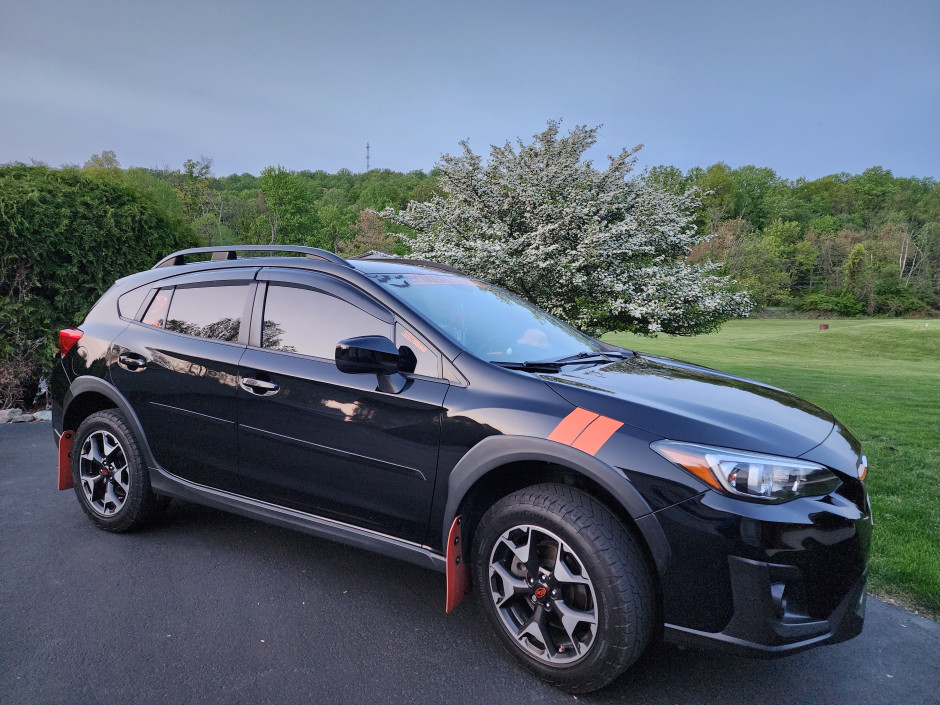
564,586
110,476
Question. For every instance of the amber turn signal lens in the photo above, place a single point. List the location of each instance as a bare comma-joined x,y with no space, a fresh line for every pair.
691,462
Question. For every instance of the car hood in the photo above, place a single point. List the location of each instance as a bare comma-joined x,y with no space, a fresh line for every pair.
685,402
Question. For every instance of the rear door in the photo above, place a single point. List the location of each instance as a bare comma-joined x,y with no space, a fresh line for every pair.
323,441
178,368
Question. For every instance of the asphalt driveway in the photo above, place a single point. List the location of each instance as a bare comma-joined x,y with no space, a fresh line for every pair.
208,607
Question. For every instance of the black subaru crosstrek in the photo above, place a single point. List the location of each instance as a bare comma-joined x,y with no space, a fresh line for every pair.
592,497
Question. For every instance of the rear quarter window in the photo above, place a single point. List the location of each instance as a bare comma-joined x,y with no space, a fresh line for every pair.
130,302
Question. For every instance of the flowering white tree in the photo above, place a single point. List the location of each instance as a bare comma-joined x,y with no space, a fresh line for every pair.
599,250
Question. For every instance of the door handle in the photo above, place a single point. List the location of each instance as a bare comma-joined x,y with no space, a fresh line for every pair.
132,363
258,386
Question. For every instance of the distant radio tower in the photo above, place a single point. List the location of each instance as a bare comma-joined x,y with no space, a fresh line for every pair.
367,157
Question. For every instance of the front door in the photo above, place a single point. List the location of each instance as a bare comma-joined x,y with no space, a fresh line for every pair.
326,442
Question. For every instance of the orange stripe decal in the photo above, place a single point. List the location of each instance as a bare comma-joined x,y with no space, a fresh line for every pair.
572,425
596,435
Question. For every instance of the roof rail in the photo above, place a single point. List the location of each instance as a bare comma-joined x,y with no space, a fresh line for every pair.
380,256
229,252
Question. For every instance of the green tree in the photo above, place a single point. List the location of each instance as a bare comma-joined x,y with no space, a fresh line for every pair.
753,187
335,223
717,186
157,189
760,267
289,207
858,277
106,162
668,179
872,190
426,189
787,233
804,261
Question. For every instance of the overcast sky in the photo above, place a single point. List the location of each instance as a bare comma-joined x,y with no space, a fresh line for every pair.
806,88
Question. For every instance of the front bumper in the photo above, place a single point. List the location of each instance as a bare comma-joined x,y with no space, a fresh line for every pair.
767,580
764,625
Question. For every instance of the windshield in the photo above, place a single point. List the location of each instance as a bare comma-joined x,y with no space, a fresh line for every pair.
487,320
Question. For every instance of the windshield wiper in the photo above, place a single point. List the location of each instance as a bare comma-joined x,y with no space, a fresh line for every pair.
588,357
530,366
580,358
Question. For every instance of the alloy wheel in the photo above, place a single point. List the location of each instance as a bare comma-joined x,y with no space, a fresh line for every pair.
543,595
104,473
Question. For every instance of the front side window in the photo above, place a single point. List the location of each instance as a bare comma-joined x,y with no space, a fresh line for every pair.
309,322
427,362
488,321
206,311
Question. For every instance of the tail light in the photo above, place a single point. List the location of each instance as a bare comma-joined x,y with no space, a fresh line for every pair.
68,338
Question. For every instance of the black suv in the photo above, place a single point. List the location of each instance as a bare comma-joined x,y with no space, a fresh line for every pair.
592,497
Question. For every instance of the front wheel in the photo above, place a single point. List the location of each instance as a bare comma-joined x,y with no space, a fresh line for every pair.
564,586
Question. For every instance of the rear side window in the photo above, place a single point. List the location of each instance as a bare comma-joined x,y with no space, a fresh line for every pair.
312,323
156,311
204,311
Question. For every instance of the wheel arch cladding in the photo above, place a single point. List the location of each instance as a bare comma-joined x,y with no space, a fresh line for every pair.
525,454
83,406
89,394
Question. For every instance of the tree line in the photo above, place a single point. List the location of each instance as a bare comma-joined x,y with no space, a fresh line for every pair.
845,244
279,206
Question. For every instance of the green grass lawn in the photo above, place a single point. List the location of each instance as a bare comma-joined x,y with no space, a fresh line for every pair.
881,378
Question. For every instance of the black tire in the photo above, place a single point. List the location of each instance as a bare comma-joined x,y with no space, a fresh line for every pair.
110,476
542,609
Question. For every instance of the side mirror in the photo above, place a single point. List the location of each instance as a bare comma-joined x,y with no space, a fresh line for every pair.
370,354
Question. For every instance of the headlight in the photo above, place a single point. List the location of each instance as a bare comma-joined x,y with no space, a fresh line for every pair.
768,478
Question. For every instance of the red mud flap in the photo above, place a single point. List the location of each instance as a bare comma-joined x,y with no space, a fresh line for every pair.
458,574
65,460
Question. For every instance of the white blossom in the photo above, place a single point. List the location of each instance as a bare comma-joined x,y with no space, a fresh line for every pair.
598,249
